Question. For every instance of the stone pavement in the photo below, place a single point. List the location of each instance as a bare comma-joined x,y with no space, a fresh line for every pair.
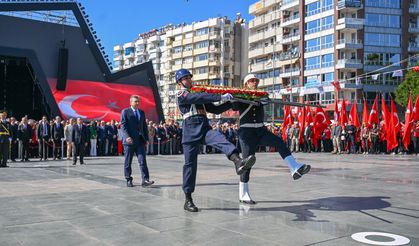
54,203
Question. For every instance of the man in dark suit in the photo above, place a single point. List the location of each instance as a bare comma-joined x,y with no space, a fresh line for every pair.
24,134
57,133
101,138
134,140
112,133
80,138
43,134
14,143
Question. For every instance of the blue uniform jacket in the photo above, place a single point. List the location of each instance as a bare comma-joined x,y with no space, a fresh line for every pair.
195,127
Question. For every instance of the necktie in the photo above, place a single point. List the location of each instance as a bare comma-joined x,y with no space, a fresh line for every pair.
137,114
45,129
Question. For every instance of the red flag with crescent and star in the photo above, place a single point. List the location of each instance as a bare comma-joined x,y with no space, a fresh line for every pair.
92,100
408,124
373,118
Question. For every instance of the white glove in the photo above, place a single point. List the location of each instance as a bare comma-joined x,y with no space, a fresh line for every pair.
226,97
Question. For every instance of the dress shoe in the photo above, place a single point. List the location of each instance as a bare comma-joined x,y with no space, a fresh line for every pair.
74,163
22,160
249,202
190,206
301,171
129,183
4,166
242,164
13,160
147,183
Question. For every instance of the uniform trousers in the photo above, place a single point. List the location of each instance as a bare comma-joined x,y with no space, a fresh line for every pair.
251,138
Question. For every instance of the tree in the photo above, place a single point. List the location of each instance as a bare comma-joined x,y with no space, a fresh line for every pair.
409,85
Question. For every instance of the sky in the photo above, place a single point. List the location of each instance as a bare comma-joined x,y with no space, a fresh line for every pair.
120,21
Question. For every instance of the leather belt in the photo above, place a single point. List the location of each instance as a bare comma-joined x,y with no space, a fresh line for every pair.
252,125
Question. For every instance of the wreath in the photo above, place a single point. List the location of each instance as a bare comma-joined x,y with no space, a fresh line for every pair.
236,92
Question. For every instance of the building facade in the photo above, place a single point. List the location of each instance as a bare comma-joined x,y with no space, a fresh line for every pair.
213,50
298,46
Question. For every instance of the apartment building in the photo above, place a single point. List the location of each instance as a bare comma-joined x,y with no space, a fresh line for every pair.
214,50
209,50
298,46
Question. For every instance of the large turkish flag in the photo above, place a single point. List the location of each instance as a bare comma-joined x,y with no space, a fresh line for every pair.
92,100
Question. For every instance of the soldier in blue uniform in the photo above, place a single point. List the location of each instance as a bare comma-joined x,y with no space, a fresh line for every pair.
253,133
197,131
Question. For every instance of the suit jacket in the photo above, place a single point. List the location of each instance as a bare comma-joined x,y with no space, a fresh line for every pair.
133,127
57,132
13,128
40,131
24,134
79,136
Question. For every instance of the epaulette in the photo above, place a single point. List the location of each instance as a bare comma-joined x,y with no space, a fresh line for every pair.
182,93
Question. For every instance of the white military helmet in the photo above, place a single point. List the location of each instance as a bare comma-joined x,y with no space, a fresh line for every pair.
249,77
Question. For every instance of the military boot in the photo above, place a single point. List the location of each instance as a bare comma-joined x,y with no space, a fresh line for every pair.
242,164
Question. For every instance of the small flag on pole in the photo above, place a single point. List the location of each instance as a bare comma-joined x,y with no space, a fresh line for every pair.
397,73
374,76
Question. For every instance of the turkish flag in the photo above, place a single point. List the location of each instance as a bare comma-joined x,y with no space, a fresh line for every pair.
408,124
336,84
416,109
392,128
321,122
287,121
343,114
91,100
336,113
309,116
365,114
373,118
353,116
386,117
301,122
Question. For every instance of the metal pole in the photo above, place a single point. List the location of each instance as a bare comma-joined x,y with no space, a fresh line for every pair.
291,73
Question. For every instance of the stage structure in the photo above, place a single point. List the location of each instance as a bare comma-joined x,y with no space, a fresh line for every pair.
52,62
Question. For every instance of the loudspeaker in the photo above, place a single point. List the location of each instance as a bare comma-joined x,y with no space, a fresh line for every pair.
62,69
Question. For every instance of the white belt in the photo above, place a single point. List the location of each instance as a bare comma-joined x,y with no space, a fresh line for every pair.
189,114
252,125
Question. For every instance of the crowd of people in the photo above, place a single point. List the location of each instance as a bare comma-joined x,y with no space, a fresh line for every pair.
45,138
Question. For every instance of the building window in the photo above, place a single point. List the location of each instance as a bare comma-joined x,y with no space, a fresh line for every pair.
327,60
188,47
187,60
383,3
201,44
327,41
177,62
201,31
381,59
312,45
201,70
312,63
327,4
201,57
327,78
327,22
380,39
312,8
177,49
382,20
129,51
312,26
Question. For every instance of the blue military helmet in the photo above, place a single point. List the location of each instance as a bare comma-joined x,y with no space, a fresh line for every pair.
182,73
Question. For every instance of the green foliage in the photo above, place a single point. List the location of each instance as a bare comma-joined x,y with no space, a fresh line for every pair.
409,85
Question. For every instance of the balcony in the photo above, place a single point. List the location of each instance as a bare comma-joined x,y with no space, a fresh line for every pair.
290,72
414,9
118,48
349,4
201,63
177,55
413,48
286,56
350,64
256,52
256,37
187,53
293,37
200,51
350,23
257,67
256,22
413,28
201,76
256,7
272,16
292,20
271,32
349,44
290,4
